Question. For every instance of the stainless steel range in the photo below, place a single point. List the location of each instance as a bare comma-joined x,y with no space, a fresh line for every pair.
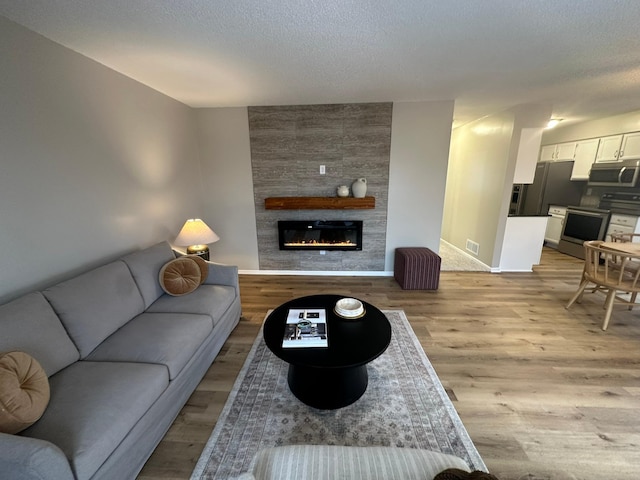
624,203
582,224
616,212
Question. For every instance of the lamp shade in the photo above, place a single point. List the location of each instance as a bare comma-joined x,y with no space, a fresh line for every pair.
195,232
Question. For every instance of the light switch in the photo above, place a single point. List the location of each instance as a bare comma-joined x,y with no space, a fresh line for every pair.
322,170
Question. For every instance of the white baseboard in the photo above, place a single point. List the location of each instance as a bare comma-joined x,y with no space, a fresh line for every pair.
322,273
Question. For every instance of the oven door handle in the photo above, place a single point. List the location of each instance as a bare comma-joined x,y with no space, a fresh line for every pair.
620,174
587,213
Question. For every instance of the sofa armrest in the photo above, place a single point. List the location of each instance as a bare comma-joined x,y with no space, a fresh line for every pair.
26,458
327,462
220,274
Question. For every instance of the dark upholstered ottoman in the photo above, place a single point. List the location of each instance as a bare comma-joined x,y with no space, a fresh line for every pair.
417,268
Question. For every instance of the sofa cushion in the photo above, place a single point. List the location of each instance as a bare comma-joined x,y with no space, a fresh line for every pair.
93,406
145,266
30,325
33,459
24,391
94,305
165,338
212,300
180,276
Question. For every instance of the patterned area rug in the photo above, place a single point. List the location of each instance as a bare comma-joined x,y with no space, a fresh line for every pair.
405,405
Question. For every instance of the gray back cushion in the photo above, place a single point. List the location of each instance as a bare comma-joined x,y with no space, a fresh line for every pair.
30,325
145,267
94,305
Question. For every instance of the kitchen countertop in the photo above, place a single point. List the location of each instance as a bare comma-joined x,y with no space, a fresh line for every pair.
520,215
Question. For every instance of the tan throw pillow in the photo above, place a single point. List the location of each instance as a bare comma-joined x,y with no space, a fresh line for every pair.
180,276
204,267
24,391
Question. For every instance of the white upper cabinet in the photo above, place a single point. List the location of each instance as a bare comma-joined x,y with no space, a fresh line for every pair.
609,149
548,153
565,151
557,153
630,149
617,148
585,155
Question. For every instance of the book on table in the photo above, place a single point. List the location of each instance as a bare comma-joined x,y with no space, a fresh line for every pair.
305,328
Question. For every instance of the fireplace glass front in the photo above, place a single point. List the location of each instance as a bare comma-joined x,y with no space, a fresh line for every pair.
320,234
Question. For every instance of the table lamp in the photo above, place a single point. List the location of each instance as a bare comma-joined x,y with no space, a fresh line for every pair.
195,235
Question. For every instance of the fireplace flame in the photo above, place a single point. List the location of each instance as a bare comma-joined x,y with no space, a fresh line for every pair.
320,243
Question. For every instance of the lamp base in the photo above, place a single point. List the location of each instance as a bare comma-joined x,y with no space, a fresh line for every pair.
200,250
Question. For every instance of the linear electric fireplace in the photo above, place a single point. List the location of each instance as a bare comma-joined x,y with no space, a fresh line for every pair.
320,234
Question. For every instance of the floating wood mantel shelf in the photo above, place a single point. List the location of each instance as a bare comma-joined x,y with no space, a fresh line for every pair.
319,203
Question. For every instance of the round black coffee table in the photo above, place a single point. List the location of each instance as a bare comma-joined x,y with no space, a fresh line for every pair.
334,376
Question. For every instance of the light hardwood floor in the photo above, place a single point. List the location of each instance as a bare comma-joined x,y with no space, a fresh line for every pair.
543,391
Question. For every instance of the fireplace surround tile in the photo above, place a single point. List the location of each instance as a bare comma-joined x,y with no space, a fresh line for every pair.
288,144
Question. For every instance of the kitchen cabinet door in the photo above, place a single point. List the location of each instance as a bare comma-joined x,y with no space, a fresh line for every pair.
565,151
609,149
584,157
630,149
548,153
557,153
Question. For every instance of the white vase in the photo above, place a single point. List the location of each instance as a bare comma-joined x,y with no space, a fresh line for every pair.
343,191
359,188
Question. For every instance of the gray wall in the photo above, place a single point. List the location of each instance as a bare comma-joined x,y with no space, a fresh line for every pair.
419,154
223,135
420,136
93,164
288,145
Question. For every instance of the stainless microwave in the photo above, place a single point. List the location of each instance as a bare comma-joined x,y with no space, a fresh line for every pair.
618,174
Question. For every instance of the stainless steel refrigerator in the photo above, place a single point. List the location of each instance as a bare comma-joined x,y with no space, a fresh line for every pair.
551,186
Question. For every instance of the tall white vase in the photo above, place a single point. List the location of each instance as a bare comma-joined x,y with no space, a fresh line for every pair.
359,188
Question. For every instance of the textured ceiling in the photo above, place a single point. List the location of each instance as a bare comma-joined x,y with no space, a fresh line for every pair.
580,56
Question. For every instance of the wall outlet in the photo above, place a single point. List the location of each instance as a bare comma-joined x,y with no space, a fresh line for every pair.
323,252
323,170
472,246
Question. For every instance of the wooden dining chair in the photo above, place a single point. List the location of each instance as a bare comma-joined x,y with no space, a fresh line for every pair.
625,237
609,271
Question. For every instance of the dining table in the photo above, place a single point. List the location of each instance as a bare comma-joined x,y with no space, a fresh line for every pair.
629,248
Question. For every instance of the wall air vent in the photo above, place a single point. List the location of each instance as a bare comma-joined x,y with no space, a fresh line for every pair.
472,246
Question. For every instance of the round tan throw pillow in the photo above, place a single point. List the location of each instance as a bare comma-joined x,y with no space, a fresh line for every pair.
204,267
180,276
24,391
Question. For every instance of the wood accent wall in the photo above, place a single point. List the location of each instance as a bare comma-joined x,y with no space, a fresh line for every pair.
288,145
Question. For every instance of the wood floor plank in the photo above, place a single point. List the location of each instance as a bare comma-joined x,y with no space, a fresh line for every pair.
543,391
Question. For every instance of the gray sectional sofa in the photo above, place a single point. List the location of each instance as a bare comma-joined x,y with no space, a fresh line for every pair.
122,358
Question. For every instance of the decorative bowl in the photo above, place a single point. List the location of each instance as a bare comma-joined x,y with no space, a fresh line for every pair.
349,308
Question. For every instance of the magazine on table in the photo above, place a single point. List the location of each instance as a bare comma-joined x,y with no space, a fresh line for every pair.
306,328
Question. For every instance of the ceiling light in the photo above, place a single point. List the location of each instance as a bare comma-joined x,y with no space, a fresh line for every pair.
553,122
